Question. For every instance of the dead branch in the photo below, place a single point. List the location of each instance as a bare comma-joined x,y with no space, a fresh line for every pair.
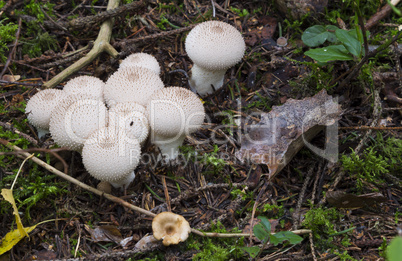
101,44
384,12
90,21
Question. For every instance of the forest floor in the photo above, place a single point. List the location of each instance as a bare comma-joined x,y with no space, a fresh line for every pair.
351,205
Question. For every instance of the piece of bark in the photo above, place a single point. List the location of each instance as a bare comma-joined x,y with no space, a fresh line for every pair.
281,133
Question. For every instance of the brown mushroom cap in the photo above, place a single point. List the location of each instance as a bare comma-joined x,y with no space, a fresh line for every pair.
131,84
215,45
171,228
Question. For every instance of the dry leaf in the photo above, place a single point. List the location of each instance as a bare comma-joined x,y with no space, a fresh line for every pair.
341,199
11,78
13,237
282,132
105,234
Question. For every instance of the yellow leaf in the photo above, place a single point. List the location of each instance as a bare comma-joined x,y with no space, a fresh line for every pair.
13,237
8,195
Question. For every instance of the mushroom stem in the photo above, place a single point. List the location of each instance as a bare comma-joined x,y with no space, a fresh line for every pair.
124,182
169,146
42,132
202,79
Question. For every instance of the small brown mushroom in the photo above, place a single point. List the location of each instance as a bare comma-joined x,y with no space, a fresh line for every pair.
171,228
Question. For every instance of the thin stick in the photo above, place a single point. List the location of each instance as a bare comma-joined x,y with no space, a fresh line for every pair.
19,170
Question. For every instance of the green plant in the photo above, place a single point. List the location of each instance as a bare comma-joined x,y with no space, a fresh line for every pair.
39,44
262,231
211,159
239,12
7,35
346,44
321,222
369,168
273,211
218,249
394,250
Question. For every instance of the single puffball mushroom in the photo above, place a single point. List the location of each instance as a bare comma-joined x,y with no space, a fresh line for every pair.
131,84
214,47
85,85
39,108
131,117
173,113
107,157
75,118
141,60
171,228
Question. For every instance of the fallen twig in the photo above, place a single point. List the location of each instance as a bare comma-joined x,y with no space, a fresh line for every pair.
384,12
101,44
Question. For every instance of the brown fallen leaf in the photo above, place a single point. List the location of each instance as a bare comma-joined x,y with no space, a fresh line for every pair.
105,234
281,133
342,199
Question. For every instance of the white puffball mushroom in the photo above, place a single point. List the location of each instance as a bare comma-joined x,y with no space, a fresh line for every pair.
39,109
131,117
173,113
107,157
131,84
171,228
141,60
85,85
214,47
75,118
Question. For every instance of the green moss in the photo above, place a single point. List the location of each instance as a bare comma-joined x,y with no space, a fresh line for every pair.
321,222
217,249
7,35
384,156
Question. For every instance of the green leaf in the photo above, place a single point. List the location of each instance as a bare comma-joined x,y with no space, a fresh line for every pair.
330,53
315,35
265,222
331,33
282,236
260,232
352,44
394,250
252,251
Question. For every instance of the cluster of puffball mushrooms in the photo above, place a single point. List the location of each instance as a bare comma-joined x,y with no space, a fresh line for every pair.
108,122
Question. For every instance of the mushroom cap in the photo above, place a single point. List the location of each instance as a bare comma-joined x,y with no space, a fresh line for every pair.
175,110
85,85
170,227
131,84
131,117
75,118
109,158
39,108
215,45
141,60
